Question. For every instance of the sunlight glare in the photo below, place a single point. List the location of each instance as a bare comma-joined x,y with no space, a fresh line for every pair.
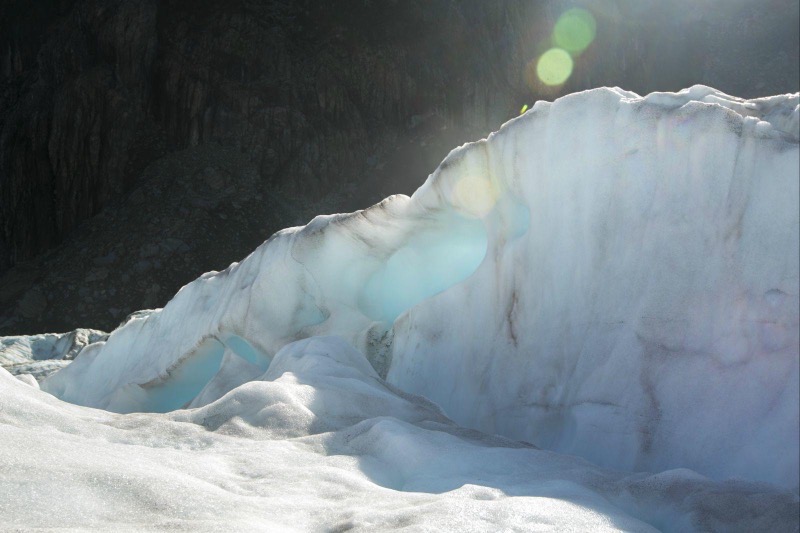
554,66
476,195
575,30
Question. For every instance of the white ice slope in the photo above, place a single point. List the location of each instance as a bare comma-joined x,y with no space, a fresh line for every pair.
41,355
608,276
320,443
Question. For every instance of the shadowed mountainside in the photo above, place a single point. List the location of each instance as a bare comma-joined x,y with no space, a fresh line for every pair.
143,143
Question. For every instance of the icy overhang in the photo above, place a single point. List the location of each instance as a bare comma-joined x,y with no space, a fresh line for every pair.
608,275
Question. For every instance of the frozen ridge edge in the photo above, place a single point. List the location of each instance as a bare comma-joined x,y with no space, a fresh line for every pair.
495,289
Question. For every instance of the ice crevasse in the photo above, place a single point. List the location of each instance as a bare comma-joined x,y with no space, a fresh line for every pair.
608,275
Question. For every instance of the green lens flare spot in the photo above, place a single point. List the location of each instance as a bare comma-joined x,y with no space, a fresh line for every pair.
524,108
575,30
554,66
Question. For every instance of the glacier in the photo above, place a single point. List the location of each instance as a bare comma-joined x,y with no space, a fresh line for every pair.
588,320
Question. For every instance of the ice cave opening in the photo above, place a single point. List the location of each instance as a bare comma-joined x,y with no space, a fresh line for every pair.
218,365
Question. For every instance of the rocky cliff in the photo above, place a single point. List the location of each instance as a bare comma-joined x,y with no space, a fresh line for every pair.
142,143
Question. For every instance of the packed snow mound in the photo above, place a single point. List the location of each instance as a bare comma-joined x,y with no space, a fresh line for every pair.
320,443
610,276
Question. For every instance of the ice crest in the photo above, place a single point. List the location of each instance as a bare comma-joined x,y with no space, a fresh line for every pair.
608,276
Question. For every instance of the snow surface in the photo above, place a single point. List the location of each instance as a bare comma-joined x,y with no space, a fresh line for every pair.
320,442
608,276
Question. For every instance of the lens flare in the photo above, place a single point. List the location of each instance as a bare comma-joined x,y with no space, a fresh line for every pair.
476,195
575,30
554,66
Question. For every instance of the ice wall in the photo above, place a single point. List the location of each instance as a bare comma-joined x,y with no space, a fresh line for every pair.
648,318
41,355
608,275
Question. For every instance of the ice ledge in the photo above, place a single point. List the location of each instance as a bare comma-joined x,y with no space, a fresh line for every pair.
625,288
780,112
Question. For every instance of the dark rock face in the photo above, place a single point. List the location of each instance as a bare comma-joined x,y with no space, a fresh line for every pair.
73,100
145,142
